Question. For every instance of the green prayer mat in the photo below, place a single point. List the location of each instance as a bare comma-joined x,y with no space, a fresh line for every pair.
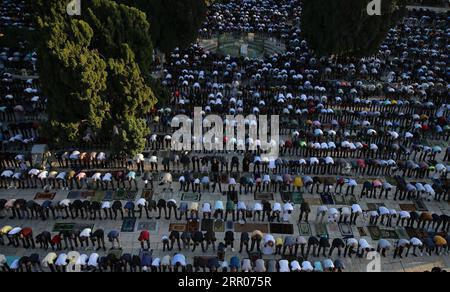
128,224
59,227
101,196
321,230
124,195
219,226
294,197
191,197
389,234
376,233
304,229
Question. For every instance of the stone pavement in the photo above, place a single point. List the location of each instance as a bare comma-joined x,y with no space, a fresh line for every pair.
131,245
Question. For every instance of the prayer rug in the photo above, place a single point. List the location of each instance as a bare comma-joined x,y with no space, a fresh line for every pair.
207,225
375,206
339,200
193,226
362,232
147,194
389,234
304,229
294,197
219,226
177,227
149,226
346,230
408,207
45,196
321,230
351,200
277,228
250,227
327,199
420,206
313,201
124,195
128,225
80,195
375,232
59,227
191,197
264,197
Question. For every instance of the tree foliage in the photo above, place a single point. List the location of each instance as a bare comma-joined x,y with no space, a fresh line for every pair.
73,79
116,24
175,23
344,28
91,77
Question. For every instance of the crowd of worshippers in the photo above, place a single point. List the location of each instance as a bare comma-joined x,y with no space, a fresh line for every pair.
337,119
217,173
145,262
230,210
300,247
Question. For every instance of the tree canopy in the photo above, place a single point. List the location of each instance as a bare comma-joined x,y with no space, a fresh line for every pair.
175,23
344,28
116,24
92,76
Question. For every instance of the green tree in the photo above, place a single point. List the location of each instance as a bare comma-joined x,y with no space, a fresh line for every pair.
129,97
343,28
73,79
174,23
117,24
129,136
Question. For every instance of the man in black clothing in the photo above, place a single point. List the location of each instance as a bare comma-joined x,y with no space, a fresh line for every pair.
304,210
267,210
186,239
210,238
312,242
324,244
162,204
229,239
117,207
174,237
337,243
44,239
245,239
99,237
198,240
